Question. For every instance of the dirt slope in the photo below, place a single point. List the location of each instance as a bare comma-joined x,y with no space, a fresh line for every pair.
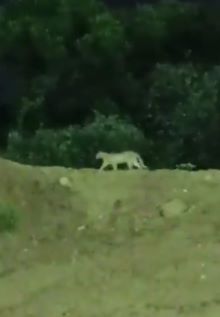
95,244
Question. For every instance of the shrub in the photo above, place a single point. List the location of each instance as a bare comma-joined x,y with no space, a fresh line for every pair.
77,145
183,105
8,218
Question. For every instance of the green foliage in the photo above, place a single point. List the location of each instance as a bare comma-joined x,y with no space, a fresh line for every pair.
74,57
30,114
105,37
8,218
76,146
183,105
147,32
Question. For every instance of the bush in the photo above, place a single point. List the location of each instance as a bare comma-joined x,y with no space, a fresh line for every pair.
8,218
183,107
77,145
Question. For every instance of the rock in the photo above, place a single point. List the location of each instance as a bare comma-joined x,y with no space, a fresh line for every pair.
186,166
173,208
64,181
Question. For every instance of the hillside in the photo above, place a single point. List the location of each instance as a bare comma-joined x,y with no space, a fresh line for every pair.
125,243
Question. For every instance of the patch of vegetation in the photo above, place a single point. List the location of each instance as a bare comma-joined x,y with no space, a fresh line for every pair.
8,218
76,146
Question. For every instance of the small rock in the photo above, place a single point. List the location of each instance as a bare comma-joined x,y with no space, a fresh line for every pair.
81,228
173,208
64,181
203,277
186,166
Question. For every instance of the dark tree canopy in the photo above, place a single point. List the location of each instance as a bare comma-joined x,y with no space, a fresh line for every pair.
155,67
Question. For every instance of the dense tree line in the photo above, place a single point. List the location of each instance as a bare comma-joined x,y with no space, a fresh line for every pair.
154,67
